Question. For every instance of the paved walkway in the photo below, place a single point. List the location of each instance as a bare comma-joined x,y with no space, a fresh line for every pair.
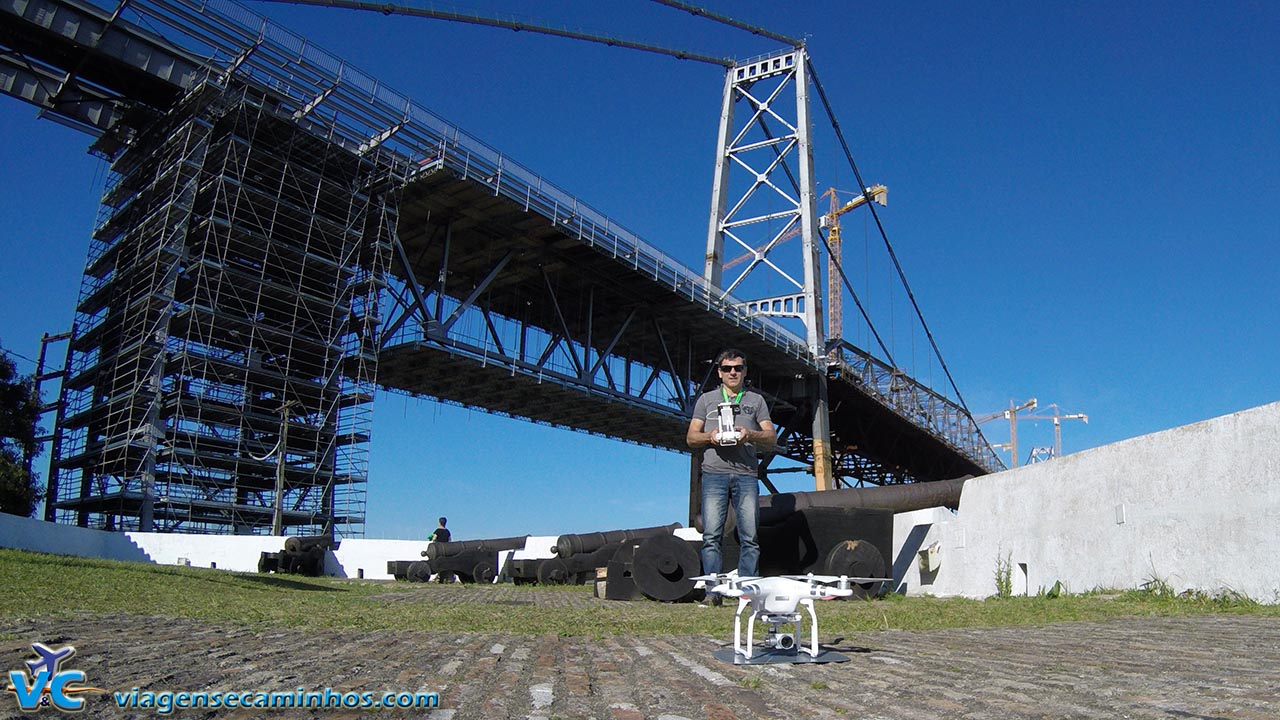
1216,666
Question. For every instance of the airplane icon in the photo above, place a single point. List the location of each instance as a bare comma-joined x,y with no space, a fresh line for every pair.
50,660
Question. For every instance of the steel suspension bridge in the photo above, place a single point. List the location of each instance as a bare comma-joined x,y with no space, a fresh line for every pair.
282,235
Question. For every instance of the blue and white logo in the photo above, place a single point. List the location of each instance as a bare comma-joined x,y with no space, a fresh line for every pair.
45,683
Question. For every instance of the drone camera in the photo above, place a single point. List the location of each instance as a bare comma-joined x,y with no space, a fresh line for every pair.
781,641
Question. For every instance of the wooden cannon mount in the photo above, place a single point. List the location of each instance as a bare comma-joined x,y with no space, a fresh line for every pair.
302,555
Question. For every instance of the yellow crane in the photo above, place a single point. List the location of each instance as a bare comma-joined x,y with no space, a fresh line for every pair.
831,221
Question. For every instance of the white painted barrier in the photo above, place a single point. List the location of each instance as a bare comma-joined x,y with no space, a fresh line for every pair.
38,536
354,557
916,532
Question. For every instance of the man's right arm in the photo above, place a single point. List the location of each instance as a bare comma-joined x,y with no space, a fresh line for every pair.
696,438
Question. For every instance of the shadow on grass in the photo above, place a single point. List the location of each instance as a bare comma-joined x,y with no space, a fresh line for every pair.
286,583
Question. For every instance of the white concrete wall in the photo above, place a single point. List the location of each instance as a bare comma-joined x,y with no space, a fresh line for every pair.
914,532
1197,506
371,556
226,552
39,536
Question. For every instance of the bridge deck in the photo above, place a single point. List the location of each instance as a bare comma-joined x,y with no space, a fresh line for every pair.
597,287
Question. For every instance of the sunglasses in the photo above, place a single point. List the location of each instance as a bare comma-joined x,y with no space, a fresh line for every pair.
732,368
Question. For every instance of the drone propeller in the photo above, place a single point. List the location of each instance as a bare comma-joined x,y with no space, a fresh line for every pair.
727,590
842,579
716,578
824,579
725,579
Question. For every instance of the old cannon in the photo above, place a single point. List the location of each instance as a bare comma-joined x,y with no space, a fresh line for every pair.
837,532
569,545
578,556
659,567
468,560
471,560
831,532
302,555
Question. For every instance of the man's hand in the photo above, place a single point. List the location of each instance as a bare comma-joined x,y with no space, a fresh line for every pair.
764,436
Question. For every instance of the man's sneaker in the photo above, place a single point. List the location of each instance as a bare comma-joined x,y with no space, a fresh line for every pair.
716,599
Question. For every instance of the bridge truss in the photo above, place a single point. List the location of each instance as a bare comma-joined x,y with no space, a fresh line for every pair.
282,234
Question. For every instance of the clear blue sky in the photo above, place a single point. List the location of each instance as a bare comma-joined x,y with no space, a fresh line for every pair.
1085,197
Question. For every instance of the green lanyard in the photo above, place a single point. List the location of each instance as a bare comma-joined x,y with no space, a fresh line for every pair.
725,394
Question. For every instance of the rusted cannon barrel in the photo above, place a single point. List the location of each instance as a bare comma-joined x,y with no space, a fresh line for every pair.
776,508
302,543
573,544
898,498
438,550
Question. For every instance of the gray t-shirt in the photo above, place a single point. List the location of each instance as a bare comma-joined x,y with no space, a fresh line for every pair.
740,458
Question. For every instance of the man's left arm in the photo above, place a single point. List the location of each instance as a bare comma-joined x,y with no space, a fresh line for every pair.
765,437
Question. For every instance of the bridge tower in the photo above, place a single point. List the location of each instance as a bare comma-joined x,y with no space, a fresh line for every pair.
770,197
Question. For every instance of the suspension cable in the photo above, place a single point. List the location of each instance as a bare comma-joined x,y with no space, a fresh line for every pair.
856,300
754,29
394,9
835,124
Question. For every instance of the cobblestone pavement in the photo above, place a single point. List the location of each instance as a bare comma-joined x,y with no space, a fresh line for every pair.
1217,666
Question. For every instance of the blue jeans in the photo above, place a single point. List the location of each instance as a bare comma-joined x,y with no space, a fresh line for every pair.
718,490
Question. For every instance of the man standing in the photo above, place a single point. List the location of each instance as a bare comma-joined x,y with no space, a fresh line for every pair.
729,461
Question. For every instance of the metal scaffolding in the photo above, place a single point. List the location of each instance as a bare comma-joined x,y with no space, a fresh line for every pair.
229,302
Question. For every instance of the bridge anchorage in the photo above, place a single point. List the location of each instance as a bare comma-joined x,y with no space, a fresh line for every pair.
282,235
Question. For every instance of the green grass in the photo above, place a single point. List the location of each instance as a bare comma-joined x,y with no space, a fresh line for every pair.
38,584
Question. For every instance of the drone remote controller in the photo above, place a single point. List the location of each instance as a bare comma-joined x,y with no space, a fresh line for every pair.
727,433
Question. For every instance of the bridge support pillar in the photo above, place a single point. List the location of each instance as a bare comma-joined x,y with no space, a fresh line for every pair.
823,475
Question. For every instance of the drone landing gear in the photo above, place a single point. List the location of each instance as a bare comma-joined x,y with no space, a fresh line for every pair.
776,657
778,647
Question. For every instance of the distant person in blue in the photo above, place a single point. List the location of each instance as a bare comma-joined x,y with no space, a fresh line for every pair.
729,461
442,533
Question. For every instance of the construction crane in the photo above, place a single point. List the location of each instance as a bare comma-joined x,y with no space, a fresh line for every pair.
1012,415
1057,419
831,223
1037,454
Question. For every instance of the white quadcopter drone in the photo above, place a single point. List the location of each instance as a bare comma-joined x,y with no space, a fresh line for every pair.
774,600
